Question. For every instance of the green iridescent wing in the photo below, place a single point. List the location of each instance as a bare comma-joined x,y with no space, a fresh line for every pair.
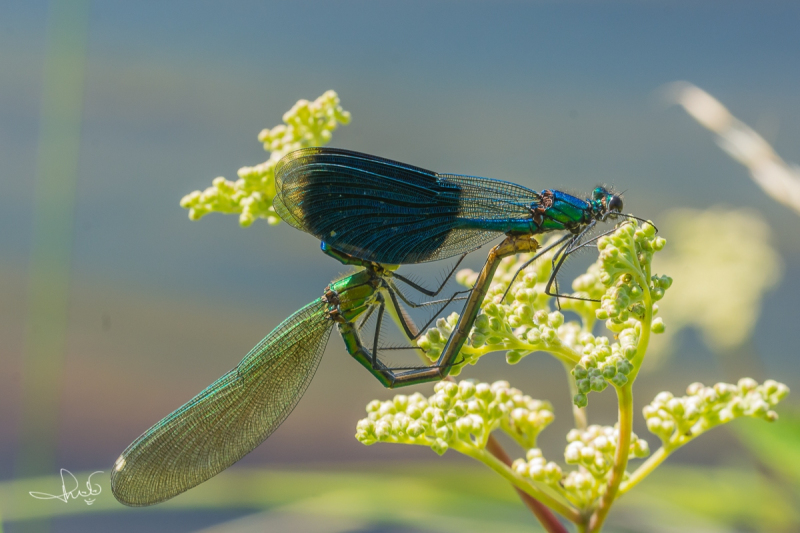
229,418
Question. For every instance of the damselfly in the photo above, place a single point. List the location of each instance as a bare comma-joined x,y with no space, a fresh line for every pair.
236,413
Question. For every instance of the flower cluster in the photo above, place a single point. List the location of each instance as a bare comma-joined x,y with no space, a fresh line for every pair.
677,420
459,416
627,306
592,450
537,468
625,260
520,323
523,321
306,124
519,318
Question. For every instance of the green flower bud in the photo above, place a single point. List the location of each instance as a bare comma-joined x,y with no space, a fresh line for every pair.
533,336
484,391
401,402
540,318
747,384
492,310
482,322
415,429
619,380
439,446
513,357
580,400
444,433
555,319
466,389
624,367
548,335
598,384
387,408
520,467
640,448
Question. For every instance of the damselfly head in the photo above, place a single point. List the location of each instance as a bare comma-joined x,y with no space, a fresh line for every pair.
606,202
615,203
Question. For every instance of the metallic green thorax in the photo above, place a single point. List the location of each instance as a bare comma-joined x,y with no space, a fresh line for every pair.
349,298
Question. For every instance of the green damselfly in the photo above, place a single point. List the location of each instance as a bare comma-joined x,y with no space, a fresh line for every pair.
236,413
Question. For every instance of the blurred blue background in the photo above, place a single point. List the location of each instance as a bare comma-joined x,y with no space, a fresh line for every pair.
545,94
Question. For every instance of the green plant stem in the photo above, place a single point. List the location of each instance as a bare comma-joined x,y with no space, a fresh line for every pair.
625,397
566,355
564,509
644,337
646,468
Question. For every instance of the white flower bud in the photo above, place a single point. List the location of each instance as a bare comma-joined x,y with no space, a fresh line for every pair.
572,454
588,453
533,453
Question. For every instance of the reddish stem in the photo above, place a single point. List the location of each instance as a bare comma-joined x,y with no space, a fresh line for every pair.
542,512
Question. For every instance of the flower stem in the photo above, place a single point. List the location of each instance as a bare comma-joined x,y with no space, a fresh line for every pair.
546,517
564,509
625,397
646,468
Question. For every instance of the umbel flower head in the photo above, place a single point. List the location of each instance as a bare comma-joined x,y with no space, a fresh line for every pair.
592,451
460,416
596,458
525,322
305,124
677,420
519,324
627,306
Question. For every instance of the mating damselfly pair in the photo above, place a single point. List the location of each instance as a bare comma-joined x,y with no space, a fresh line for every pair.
375,214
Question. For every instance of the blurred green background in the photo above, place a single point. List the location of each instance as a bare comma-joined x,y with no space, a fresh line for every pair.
115,308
